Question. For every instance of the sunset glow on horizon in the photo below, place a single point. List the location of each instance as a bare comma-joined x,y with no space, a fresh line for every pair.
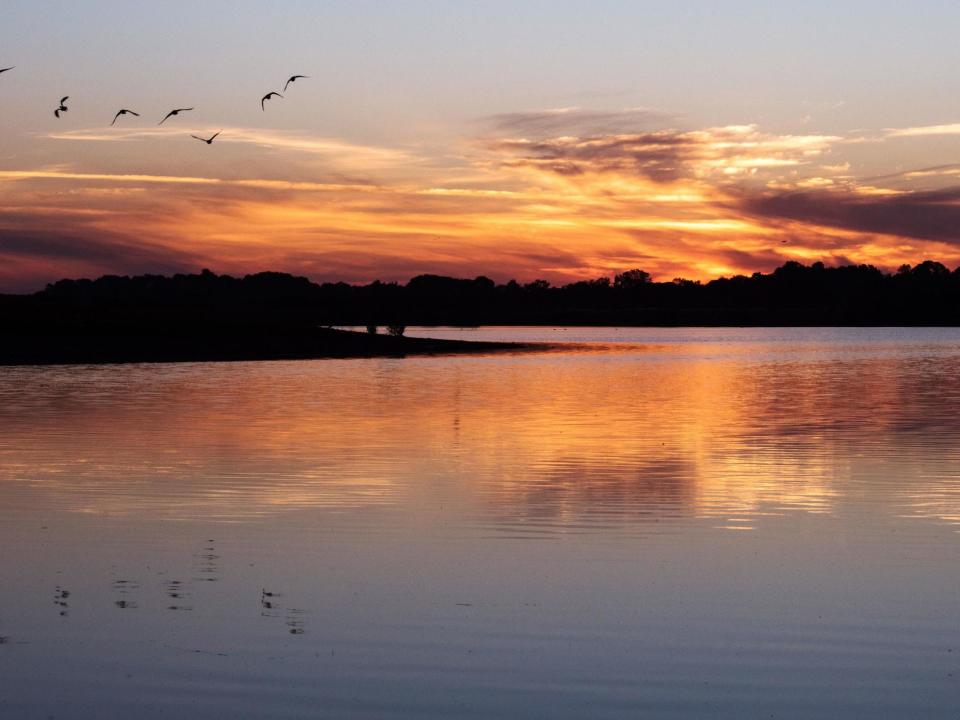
471,153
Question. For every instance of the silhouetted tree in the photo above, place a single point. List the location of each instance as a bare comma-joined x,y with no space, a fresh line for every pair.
631,279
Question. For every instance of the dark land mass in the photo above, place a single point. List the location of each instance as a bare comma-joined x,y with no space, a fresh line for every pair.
129,345
275,315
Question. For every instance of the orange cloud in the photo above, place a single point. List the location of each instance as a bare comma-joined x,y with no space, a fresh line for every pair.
550,203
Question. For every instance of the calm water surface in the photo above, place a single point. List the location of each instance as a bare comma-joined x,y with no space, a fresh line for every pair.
655,523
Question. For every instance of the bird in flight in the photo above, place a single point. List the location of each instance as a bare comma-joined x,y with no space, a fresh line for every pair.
3,70
172,113
208,141
266,97
62,108
293,78
124,111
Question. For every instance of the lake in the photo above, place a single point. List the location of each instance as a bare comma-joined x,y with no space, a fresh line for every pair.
657,523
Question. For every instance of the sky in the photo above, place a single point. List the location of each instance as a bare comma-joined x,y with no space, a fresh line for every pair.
557,140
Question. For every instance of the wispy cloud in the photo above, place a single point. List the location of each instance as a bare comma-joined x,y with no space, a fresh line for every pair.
365,157
263,184
924,131
920,215
575,121
15,175
667,155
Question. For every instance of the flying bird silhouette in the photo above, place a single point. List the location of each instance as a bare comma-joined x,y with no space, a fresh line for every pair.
62,108
293,78
124,111
172,113
267,97
208,141
3,70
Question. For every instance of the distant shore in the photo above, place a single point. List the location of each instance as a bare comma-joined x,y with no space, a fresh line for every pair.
276,316
793,295
317,343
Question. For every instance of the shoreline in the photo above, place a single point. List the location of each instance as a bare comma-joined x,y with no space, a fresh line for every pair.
17,349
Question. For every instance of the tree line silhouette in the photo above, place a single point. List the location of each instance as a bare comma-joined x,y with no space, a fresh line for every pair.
793,294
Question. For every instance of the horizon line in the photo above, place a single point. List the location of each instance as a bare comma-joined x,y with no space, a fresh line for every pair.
650,279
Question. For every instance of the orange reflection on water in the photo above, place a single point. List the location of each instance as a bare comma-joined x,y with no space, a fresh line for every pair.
734,434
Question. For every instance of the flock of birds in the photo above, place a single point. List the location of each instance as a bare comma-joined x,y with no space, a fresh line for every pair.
62,107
